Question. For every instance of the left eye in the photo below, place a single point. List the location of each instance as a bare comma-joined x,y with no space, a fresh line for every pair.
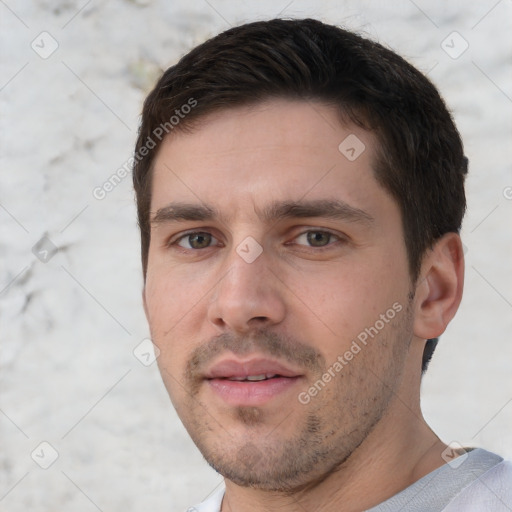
315,238
198,240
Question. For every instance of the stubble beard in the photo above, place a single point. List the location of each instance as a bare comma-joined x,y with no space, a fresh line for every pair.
328,430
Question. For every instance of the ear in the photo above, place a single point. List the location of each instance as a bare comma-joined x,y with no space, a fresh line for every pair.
439,287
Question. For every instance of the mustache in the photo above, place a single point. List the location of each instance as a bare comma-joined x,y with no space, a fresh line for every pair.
262,341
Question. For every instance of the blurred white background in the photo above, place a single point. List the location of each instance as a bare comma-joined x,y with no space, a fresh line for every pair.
70,320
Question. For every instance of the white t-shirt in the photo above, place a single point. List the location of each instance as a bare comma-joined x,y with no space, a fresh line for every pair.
481,483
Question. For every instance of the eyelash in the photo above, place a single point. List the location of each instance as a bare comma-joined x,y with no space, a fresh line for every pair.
338,238
176,241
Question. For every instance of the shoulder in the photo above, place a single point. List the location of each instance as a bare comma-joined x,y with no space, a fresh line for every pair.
491,491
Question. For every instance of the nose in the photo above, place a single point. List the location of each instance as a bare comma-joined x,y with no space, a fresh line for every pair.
249,296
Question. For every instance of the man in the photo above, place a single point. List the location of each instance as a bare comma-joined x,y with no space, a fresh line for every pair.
300,191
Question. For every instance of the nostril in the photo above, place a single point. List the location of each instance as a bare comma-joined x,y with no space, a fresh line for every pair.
259,322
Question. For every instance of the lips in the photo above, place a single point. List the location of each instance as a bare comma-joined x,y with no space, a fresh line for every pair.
250,383
254,378
252,370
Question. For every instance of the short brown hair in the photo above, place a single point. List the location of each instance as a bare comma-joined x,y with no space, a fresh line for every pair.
420,158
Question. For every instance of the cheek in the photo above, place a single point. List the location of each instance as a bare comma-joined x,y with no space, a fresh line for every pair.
167,314
169,297
344,301
335,292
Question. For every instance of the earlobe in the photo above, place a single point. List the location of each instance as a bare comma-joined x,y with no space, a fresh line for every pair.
439,289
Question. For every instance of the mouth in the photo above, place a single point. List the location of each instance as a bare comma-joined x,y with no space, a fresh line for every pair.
252,382
253,378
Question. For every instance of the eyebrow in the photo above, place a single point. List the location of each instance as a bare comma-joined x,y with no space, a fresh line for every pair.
183,212
325,208
279,210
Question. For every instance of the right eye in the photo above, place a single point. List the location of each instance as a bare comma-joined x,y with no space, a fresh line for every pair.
196,240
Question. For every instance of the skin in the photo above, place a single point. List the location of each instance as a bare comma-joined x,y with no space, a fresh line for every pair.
302,301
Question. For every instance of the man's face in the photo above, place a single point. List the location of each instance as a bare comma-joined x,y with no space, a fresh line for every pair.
274,254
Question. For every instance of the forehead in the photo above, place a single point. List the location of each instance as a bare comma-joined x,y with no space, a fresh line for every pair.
246,157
